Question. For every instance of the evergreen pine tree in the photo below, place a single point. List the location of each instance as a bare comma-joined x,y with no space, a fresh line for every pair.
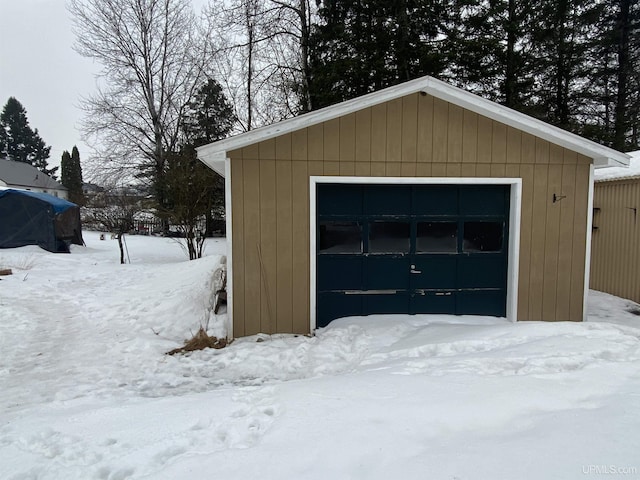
72,175
362,46
76,194
210,117
19,142
560,44
610,97
66,170
194,190
488,49
3,141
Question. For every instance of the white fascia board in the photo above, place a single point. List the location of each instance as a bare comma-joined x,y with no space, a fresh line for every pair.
603,156
228,211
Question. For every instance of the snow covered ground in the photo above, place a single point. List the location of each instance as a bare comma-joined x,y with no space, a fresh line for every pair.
86,391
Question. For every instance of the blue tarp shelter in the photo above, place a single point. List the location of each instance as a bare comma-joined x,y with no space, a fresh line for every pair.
34,218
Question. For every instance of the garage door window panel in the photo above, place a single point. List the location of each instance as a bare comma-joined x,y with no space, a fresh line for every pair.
483,236
340,236
389,237
436,237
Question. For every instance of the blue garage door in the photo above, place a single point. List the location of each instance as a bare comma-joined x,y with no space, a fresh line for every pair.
411,249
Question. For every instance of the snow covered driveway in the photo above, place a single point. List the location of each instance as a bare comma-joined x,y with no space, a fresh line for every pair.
87,392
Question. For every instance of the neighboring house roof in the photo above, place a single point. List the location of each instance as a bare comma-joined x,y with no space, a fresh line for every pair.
24,175
620,173
215,153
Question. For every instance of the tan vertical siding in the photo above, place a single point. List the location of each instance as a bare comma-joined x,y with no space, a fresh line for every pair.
425,128
440,124
266,246
469,138
417,135
348,138
299,147
379,133
238,256
394,131
363,136
454,135
526,228
410,128
567,206
551,243
284,246
300,253
615,259
579,248
251,240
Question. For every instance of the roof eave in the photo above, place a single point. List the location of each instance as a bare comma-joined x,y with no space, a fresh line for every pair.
214,161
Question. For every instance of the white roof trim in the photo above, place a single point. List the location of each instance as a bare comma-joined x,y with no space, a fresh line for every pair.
214,154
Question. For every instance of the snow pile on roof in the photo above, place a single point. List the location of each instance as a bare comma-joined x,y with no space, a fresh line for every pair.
617,173
88,393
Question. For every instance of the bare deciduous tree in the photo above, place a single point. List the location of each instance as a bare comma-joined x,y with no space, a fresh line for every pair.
115,215
264,57
153,60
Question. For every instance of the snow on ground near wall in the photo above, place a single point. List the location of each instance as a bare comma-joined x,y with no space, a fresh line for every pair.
87,392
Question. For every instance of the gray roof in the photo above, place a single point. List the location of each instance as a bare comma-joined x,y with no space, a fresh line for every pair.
20,174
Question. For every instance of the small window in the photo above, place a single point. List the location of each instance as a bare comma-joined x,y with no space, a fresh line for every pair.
340,237
437,237
389,237
482,236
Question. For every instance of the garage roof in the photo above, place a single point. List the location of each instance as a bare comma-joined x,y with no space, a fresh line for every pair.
215,153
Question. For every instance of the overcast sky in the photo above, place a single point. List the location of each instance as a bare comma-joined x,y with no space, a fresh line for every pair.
39,67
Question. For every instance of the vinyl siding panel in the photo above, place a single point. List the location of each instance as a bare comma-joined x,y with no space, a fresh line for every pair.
417,135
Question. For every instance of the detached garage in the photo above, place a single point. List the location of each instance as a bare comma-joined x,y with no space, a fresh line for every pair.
420,198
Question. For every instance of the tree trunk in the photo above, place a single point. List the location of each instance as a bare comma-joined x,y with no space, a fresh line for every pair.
250,11
120,235
562,104
623,27
510,80
305,33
